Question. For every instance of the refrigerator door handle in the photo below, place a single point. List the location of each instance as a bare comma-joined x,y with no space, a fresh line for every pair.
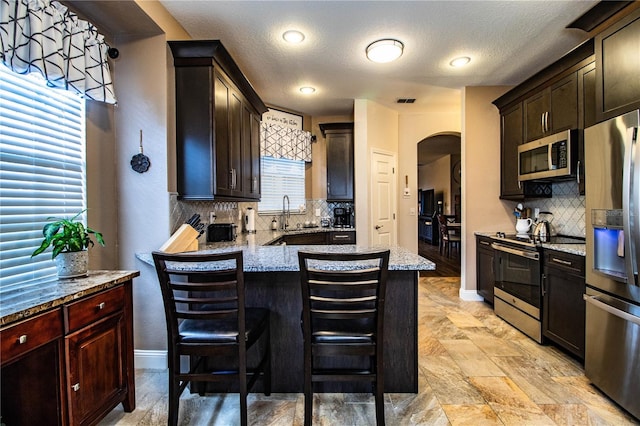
610,309
634,205
627,204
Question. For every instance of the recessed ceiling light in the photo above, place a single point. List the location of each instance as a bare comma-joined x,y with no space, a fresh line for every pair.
385,50
293,36
461,61
307,90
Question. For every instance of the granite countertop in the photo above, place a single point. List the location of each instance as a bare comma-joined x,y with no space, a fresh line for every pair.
21,303
261,257
577,249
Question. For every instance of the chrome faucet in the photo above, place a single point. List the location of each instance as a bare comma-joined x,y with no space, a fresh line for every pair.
286,213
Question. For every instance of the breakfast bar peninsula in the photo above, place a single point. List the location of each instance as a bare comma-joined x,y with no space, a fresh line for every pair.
272,281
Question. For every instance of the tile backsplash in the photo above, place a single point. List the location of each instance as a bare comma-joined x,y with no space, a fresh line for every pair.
567,206
231,211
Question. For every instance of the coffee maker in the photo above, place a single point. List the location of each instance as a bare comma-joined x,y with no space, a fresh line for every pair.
342,217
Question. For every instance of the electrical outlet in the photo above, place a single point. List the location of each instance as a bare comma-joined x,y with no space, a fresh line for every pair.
317,212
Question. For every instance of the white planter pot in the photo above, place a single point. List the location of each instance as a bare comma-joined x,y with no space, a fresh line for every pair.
72,264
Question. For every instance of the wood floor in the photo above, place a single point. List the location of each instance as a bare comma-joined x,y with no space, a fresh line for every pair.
445,266
474,369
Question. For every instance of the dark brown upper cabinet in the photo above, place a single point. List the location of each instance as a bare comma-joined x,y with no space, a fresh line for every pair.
218,116
552,110
340,174
618,67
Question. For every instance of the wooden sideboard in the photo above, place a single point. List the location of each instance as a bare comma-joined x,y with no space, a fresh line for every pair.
72,361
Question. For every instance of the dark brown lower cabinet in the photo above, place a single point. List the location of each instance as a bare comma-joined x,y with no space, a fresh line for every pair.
563,306
70,365
485,275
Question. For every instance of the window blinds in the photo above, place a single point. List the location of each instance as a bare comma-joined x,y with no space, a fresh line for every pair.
280,176
42,164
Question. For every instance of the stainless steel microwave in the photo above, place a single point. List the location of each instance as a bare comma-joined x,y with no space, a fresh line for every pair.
551,158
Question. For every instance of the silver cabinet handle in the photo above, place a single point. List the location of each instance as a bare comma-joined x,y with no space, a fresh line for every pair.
22,339
76,387
542,122
485,243
561,261
102,305
578,172
337,237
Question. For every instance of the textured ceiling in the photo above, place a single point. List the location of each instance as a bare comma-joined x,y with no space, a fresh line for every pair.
508,42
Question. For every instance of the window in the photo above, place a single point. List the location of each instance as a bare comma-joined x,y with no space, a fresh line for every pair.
281,176
42,171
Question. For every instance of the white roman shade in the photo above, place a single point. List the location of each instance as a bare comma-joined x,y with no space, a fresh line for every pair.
42,167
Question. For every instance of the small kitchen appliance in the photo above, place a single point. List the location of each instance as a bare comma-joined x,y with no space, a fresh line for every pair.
217,232
342,217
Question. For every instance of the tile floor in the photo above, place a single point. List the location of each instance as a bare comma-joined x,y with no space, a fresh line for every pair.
474,369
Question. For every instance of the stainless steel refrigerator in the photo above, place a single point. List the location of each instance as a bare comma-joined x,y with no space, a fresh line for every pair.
612,201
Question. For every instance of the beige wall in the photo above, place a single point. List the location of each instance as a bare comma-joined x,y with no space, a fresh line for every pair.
412,129
437,175
375,127
482,209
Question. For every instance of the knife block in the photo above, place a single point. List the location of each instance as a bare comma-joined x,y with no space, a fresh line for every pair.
184,239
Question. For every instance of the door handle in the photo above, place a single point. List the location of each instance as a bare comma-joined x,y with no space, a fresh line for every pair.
379,226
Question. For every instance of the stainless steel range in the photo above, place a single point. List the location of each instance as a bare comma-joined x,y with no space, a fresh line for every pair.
518,280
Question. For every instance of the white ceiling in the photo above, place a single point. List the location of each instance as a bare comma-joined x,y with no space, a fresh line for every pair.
508,42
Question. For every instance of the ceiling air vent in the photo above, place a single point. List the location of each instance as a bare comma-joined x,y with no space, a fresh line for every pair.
406,100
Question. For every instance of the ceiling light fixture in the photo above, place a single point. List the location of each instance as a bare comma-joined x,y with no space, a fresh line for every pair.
307,90
293,36
385,50
460,62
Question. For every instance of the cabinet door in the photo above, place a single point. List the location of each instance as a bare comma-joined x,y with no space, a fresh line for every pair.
250,154
340,166
194,144
485,276
97,375
222,114
31,392
510,139
586,114
563,306
618,65
535,110
564,105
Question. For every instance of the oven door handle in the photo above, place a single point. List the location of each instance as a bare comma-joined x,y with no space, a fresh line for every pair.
610,309
533,255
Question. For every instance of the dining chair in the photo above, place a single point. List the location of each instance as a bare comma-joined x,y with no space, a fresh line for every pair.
343,297
447,237
206,317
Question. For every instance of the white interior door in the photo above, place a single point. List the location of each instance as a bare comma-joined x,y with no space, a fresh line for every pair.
383,198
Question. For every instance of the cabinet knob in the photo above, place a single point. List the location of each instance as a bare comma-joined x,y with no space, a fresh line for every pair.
76,387
101,305
22,339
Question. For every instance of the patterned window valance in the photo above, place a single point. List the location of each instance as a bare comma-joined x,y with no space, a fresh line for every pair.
43,36
283,142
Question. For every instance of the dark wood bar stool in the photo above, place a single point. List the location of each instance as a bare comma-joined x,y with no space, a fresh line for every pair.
206,317
343,299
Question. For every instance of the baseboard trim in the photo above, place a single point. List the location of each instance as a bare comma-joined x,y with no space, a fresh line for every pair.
150,359
470,296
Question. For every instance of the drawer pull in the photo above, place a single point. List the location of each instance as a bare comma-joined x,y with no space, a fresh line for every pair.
562,262
76,387
22,339
101,305
341,236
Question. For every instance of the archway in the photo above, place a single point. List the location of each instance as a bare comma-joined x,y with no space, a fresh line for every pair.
439,191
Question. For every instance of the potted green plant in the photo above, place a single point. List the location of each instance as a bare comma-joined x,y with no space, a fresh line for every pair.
70,240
